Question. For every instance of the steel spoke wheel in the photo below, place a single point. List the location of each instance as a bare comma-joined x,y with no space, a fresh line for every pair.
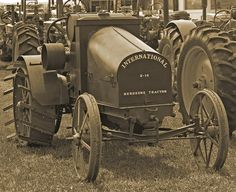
210,147
22,96
87,137
34,123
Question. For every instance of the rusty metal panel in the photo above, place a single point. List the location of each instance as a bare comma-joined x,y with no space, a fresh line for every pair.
124,76
46,87
85,28
149,77
184,26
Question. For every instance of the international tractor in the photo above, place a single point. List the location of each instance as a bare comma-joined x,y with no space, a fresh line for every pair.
116,88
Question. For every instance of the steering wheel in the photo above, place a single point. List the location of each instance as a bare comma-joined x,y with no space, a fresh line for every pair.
152,7
68,7
226,17
6,17
56,32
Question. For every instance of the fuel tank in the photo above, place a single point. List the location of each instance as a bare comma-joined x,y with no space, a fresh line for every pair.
124,72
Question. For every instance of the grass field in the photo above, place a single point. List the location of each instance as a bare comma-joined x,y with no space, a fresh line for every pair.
166,167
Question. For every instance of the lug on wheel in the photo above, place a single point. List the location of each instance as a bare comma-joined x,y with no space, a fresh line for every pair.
210,147
87,137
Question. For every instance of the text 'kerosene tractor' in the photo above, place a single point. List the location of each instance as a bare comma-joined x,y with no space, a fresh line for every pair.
117,88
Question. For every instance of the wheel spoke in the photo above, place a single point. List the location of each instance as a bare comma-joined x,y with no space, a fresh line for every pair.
205,148
201,110
209,155
209,116
83,123
196,147
60,30
85,145
213,141
200,150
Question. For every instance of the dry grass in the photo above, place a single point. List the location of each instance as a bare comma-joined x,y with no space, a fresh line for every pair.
166,167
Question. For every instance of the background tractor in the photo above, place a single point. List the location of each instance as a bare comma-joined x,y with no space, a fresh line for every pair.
207,60
25,27
201,53
21,36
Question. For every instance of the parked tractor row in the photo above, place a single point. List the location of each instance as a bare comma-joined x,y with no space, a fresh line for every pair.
117,87
202,56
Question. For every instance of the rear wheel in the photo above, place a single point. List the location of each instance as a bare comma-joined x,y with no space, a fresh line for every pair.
34,123
210,147
207,60
25,40
87,137
170,48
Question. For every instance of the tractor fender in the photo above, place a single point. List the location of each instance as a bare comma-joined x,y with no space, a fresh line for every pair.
47,87
184,26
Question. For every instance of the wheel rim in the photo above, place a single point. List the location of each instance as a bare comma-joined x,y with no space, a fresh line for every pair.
197,74
86,139
56,33
22,96
211,147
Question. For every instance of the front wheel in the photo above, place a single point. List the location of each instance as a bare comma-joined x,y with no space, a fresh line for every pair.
210,146
87,137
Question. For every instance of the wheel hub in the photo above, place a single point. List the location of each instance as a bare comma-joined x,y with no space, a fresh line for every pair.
201,83
212,131
197,74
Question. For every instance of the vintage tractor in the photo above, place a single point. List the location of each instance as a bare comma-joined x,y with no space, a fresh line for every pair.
120,92
21,36
207,60
55,28
24,30
175,32
153,22
199,63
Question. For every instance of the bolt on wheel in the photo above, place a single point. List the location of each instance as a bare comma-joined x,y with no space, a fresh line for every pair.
87,138
210,147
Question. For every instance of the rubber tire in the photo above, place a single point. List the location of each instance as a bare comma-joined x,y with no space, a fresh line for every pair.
25,40
220,51
172,39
